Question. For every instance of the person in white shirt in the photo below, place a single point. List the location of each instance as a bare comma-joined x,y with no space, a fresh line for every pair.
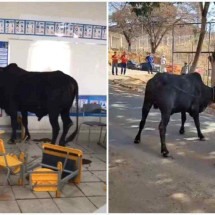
163,64
185,69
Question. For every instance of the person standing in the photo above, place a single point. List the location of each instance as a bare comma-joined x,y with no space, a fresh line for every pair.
150,61
163,64
124,61
114,63
185,69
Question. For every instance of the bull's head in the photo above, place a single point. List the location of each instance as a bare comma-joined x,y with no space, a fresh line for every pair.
213,95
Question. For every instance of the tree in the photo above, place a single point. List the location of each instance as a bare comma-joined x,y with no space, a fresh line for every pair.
204,11
158,18
125,22
211,58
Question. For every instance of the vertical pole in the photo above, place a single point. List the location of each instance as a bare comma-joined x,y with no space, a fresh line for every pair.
209,41
139,43
111,41
173,47
136,46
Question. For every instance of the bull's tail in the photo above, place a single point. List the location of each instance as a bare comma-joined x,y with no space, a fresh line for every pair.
72,136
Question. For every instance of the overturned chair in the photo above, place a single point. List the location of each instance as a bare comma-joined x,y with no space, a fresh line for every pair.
58,166
12,163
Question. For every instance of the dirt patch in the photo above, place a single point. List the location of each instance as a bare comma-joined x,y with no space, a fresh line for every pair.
4,196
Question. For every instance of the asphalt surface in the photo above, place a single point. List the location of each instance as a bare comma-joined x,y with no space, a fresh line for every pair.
140,179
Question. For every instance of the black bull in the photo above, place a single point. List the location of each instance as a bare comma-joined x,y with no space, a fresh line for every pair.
174,94
42,93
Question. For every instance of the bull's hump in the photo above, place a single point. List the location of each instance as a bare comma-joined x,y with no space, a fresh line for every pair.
12,65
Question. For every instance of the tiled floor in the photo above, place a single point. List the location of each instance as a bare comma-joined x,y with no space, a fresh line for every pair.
85,197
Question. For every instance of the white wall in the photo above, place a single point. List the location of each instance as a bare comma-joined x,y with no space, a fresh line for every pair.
83,59
94,12
85,62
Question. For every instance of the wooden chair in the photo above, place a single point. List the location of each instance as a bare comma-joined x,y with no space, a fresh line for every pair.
96,110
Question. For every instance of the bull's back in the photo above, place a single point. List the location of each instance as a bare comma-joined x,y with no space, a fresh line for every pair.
37,88
178,92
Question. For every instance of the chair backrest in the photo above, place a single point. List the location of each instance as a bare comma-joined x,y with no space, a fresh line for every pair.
52,154
2,148
92,108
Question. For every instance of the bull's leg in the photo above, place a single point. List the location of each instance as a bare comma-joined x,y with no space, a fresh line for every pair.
14,126
162,128
183,120
67,123
53,118
197,123
25,124
145,110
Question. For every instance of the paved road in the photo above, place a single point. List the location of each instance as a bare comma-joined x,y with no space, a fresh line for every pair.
140,179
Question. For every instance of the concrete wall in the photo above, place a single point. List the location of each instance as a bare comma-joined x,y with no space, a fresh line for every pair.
83,59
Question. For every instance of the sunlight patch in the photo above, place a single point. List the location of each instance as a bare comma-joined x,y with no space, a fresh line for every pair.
134,126
181,153
149,129
170,144
154,114
164,181
119,116
166,161
211,154
190,138
119,161
133,120
118,105
182,143
197,211
182,197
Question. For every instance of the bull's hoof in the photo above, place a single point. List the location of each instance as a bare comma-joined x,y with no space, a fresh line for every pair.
136,141
202,138
11,141
165,153
62,144
181,131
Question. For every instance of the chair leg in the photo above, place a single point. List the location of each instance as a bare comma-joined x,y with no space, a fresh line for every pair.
8,176
21,181
104,138
77,136
58,194
89,133
100,135
102,143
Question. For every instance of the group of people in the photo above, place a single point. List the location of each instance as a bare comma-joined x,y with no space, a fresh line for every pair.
115,60
150,64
